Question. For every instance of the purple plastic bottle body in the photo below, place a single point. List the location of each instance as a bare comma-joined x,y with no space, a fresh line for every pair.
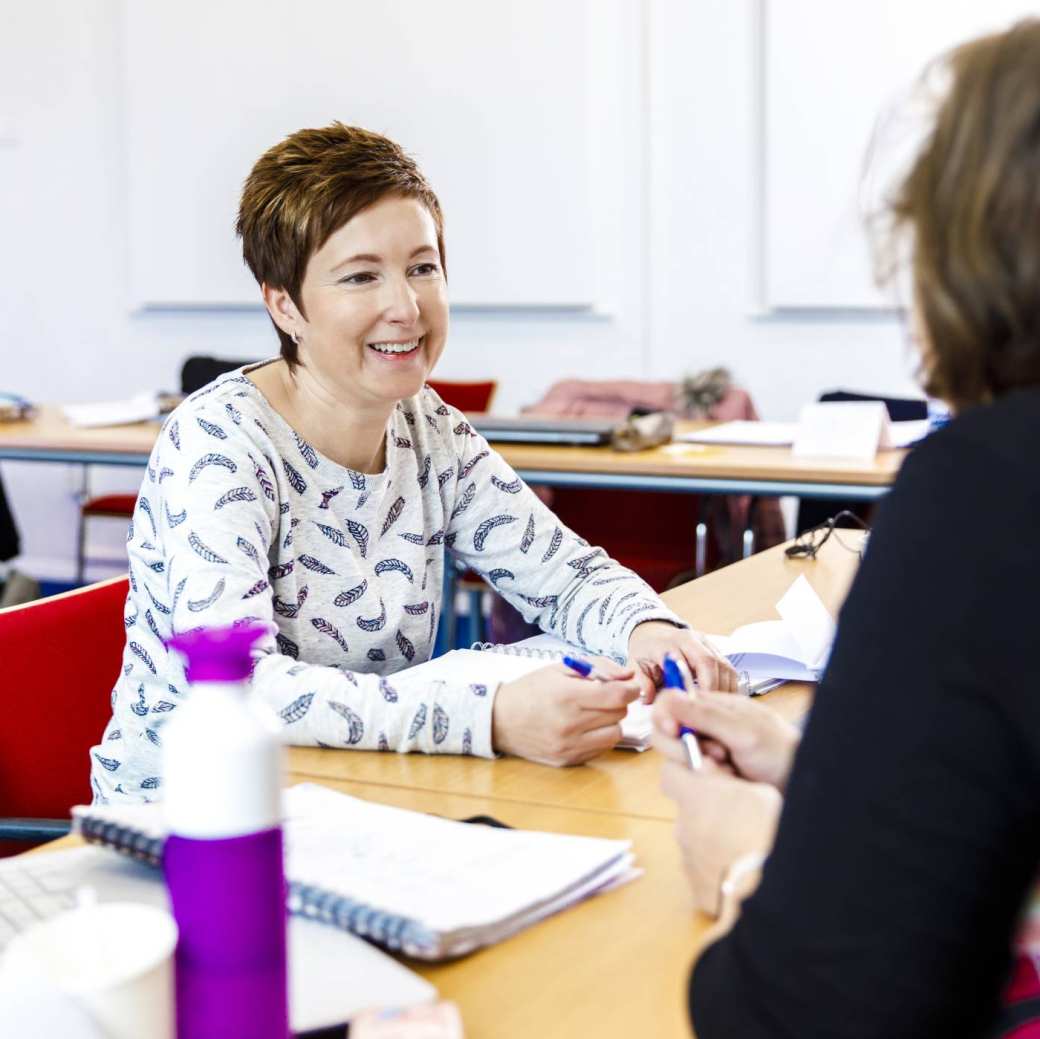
228,897
223,860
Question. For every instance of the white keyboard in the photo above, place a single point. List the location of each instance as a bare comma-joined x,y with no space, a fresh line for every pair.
28,895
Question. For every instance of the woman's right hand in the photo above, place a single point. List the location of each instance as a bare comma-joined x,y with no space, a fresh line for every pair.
755,742
555,717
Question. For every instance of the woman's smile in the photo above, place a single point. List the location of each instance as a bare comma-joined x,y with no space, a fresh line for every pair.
398,350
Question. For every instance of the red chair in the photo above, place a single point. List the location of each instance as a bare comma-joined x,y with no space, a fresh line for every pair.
61,659
104,506
466,396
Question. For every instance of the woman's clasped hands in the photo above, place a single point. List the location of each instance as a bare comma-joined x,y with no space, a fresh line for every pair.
728,810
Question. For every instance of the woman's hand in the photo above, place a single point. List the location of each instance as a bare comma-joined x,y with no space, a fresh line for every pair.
740,735
558,718
651,640
720,820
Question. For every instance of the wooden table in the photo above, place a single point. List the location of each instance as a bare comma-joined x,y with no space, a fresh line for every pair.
622,781
678,467
615,965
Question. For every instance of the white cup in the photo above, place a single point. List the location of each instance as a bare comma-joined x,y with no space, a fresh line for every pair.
114,960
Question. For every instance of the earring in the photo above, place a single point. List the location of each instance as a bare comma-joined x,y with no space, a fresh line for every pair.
295,337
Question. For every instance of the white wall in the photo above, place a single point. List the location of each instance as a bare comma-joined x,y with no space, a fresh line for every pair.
683,279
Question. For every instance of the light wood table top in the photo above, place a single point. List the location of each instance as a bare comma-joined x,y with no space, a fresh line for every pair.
615,965
621,782
49,430
49,437
567,976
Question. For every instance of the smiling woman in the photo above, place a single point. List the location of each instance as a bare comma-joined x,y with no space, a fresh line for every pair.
320,490
368,324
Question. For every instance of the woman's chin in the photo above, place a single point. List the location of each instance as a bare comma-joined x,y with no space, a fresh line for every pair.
399,375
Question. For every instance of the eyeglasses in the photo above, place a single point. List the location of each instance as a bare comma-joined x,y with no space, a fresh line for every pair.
811,541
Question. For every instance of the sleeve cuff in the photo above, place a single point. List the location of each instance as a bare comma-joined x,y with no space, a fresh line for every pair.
467,710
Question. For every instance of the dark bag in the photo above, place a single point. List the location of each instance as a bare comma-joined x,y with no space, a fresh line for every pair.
10,543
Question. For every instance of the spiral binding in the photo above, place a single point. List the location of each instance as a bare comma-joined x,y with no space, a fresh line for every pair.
124,839
517,651
386,929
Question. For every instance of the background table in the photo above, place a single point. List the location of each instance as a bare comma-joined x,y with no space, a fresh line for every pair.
678,467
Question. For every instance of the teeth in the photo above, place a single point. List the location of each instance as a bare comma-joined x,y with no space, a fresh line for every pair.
395,348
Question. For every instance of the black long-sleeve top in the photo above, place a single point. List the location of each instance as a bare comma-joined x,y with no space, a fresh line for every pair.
910,835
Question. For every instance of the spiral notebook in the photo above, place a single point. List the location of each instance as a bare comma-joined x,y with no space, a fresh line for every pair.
429,887
489,663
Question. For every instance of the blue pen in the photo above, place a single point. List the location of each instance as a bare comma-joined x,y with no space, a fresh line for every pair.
580,667
673,679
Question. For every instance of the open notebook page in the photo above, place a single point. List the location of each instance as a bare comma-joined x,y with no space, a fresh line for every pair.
448,875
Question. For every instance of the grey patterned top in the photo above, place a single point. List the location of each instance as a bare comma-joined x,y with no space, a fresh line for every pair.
239,518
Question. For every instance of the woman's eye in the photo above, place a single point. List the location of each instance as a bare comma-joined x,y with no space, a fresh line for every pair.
425,268
362,278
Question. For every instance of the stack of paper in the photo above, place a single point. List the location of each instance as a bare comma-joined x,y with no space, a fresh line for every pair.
113,412
430,887
761,434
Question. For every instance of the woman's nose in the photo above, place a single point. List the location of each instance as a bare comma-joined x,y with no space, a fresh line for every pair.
402,304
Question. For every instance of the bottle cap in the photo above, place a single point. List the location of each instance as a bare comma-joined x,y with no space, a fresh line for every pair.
219,654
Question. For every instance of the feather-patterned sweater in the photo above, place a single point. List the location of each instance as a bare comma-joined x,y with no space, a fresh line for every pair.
238,517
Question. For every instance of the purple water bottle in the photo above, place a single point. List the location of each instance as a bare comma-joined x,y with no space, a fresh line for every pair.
223,859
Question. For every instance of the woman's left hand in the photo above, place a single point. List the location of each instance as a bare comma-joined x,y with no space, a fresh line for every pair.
720,819
651,640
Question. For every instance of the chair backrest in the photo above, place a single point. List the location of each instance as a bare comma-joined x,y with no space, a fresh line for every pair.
60,658
466,396
10,543
199,370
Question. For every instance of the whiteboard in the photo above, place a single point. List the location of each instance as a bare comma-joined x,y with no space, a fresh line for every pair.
491,98
836,76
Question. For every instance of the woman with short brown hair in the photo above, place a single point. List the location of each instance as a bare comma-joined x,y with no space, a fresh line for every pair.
321,490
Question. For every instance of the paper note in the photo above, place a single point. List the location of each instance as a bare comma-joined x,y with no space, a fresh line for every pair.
762,434
808,621
841,430
113,412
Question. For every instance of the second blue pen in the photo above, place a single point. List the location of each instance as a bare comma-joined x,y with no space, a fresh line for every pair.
673,679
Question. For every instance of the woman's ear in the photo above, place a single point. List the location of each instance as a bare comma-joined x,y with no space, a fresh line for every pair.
284,312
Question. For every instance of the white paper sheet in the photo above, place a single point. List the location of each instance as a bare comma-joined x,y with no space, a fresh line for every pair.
113,412
794,648
763,434
846,429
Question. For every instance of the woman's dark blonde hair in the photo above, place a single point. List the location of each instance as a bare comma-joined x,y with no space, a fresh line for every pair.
971,204
307,187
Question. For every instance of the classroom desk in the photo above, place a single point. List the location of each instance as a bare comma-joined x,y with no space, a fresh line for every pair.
575,973
614,966
621,781
680,468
